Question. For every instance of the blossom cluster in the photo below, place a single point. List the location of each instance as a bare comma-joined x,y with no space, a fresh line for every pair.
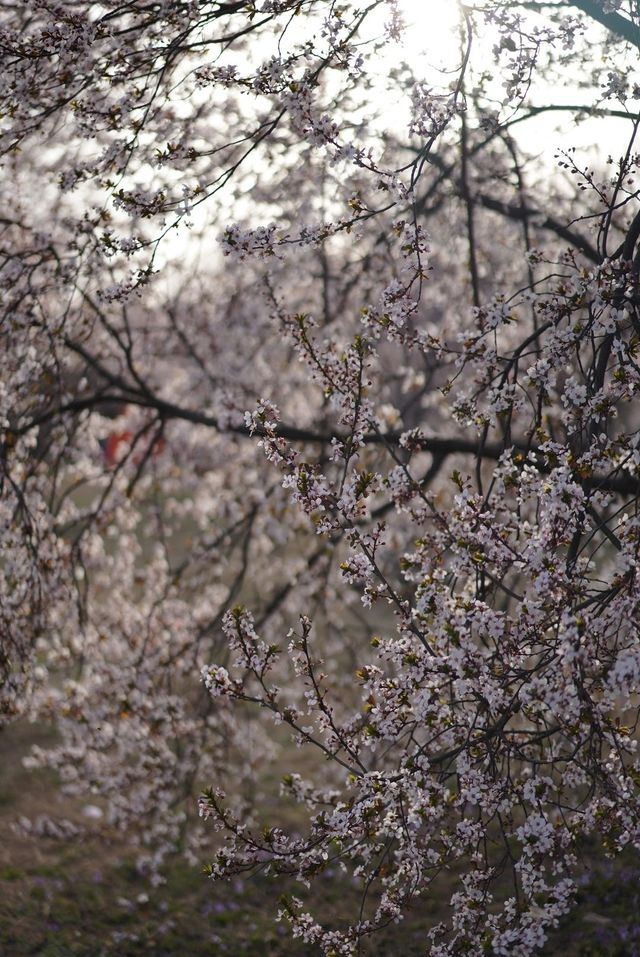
350,492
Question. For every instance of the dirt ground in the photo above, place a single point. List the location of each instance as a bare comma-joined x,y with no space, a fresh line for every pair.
86,898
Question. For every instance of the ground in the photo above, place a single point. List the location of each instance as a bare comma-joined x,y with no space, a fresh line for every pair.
86,899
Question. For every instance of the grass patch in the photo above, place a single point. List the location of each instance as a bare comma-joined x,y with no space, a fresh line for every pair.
86,899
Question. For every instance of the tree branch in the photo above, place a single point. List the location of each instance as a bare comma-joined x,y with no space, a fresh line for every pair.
622,27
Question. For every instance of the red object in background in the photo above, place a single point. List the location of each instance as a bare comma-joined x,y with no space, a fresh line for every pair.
158,445
116,445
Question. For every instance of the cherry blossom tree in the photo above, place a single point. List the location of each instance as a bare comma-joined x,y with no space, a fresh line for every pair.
318,426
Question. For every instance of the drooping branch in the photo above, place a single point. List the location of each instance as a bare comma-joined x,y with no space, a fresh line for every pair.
617,24
438,446
614,22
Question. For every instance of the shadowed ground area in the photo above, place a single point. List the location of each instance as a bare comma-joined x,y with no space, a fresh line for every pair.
87,899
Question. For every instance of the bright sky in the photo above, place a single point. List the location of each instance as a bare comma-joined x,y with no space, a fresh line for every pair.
431,47
433,30
433,41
